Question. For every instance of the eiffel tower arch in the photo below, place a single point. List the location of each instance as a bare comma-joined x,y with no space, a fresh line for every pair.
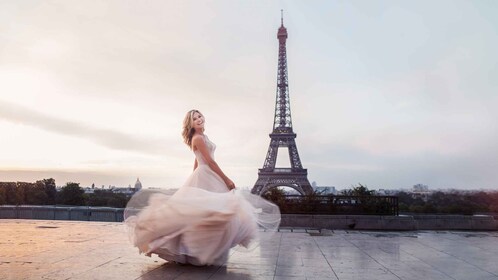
282,136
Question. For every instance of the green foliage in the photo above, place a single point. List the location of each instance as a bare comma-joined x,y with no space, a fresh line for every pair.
34,193
275,194
44,192
454,202
98,198
71,194
8,193
18,193
50,190
359,201
107,198
359,190
3,196
119,200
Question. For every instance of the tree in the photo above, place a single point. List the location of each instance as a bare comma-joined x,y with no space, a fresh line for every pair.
98,198
72,194
275,194
118,200
493,207
20,193
31,193
359,190
50,190
9,193
3,196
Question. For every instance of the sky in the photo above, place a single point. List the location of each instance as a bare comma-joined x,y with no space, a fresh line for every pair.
388,94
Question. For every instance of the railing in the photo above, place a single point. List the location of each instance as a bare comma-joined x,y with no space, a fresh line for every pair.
47,212
339,205
283,170
290,204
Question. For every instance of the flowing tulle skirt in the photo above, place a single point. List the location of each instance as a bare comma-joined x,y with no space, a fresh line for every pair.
200,222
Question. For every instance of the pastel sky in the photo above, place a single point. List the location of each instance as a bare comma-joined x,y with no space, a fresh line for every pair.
384,93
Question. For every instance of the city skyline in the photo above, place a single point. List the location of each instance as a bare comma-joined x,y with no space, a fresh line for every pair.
384,94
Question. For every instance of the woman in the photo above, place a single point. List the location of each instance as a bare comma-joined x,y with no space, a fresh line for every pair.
205,218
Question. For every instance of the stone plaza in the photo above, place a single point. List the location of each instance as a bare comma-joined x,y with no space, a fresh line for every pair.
42,249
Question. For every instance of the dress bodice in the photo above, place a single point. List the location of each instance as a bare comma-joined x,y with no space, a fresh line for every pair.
211,147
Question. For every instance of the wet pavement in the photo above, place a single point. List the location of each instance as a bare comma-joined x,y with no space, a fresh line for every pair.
38,249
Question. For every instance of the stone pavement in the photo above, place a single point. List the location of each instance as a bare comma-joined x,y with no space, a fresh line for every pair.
38,249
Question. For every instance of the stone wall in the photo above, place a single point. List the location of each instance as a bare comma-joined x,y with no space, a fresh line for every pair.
76,213
402,222
345,222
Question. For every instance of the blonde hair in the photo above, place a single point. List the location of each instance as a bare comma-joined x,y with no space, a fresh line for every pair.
188,130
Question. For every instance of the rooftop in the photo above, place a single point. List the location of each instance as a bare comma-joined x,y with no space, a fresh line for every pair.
39,249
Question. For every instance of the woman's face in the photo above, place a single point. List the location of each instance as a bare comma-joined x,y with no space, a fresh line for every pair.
197,121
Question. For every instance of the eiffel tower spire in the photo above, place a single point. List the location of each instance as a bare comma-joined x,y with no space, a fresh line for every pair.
282,135
283,120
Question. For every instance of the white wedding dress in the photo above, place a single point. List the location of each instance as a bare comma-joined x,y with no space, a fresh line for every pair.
201,221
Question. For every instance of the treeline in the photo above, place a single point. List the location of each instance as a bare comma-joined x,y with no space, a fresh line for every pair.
453,202
356,201
44,192
439,202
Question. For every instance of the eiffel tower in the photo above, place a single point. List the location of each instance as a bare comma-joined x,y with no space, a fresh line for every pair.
296,176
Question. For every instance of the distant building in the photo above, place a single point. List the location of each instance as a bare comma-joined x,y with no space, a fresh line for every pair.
323,190
89,190
421,191
128,191
387,192
420,188
125,191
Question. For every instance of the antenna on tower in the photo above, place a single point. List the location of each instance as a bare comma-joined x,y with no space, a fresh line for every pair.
282,17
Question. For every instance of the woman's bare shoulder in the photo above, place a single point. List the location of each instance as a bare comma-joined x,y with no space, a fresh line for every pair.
197,136
197,139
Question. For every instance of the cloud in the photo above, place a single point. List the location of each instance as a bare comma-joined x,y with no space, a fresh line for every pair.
107,138
386,95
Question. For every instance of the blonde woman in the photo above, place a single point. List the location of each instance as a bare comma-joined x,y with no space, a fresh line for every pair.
207,215
194,137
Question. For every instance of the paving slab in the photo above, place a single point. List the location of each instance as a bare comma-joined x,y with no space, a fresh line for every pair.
43,249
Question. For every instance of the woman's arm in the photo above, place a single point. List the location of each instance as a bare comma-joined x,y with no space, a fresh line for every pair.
199,144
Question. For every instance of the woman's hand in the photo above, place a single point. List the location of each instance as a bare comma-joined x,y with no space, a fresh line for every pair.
230,184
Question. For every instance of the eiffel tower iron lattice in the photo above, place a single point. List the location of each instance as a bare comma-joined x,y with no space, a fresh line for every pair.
269,176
